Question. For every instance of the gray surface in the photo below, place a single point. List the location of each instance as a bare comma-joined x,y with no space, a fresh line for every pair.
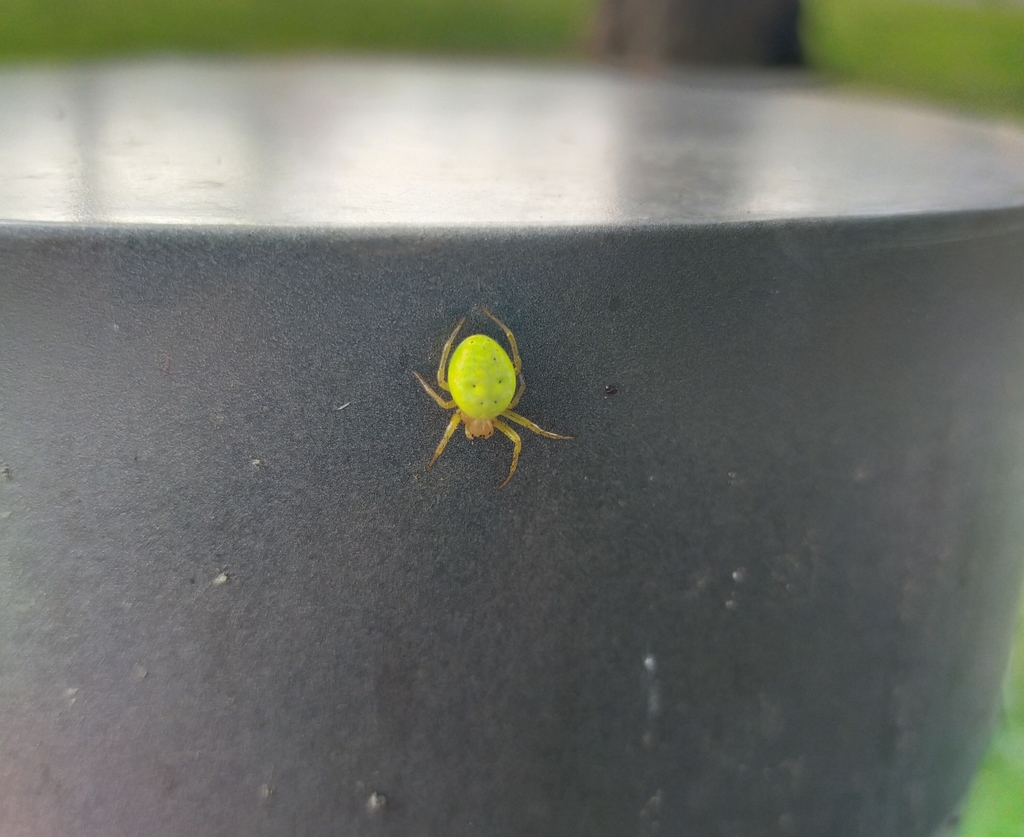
768,587
376,144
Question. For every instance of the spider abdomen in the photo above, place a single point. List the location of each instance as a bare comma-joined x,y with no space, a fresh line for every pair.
481,377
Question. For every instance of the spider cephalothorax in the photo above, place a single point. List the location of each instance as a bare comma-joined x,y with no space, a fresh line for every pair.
485,384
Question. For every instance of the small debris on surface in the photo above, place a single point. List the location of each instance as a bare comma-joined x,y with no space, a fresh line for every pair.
376,804
221,579
6,471
731,605
4,515
611,390
70,696
139,672
342,407
265,792
255,463
739,575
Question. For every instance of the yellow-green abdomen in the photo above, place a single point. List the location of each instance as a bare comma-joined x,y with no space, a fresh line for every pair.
481,377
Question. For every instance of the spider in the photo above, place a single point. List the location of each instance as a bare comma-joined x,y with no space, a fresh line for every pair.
482,382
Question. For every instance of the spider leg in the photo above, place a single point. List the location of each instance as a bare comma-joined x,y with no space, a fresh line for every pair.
517,362
449,431
442,378
529,425
517,445
447,405
519,393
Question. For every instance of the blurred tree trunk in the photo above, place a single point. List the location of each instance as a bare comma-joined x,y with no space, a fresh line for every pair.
758,32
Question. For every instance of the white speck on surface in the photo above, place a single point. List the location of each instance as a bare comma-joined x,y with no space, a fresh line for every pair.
255,463
653,688
376,804
732,605
739,575
70,696
654,700
771,721
265,792
139,672
221,579
4,515
653,805
342,407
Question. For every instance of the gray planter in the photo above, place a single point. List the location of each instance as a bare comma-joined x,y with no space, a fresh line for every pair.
767,588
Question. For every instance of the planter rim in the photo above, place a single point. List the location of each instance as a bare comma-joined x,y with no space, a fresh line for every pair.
396,144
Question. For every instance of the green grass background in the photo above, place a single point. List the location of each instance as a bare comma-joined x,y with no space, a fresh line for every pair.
89,28
967,54
995,807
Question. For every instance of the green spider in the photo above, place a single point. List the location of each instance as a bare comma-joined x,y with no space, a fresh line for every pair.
482,382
